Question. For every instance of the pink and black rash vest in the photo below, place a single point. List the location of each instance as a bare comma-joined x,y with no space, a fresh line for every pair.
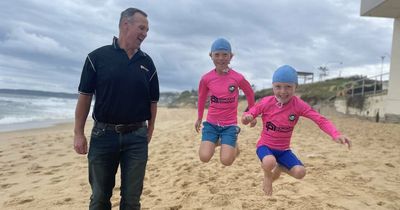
279,121
223,92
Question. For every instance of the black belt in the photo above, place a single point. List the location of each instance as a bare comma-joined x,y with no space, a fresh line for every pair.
121,128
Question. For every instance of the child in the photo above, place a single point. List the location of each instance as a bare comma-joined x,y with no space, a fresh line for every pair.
280,114
222,85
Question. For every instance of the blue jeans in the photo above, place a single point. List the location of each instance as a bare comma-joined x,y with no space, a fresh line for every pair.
107,150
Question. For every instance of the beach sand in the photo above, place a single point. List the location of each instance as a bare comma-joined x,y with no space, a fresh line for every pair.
40,169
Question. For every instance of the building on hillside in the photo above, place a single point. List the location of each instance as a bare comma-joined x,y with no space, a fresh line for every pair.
389,9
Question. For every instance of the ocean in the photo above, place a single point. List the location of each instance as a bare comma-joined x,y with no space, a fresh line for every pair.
25,109
22,109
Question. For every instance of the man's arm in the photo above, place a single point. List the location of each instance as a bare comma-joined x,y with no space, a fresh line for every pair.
81,113
151,122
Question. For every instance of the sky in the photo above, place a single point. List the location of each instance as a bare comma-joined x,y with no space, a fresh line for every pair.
43,44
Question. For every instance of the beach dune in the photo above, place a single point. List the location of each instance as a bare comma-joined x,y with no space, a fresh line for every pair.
40,170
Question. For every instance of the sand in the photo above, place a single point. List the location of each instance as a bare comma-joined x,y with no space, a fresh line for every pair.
40,169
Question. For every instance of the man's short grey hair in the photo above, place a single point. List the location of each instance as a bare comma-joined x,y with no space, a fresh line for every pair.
128,13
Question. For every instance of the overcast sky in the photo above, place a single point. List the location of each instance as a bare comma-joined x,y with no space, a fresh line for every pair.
43,44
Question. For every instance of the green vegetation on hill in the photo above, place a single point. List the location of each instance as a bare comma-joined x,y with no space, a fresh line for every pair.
316,92
312,93
183,99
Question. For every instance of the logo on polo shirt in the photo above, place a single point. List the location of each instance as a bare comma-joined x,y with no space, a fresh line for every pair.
144,68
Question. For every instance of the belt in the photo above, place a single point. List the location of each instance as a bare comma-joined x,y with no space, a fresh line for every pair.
121,128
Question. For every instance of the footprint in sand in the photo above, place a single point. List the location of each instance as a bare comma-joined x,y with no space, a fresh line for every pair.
18,201
55,180
175,207
146,192
5,186
214,190
34,169
221,200
315,156
65,201
29,157
158,200
185,184
48,173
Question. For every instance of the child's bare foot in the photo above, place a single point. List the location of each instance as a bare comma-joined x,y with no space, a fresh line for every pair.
267,185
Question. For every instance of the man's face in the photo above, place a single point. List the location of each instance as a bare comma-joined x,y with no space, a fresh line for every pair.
136,30
283,91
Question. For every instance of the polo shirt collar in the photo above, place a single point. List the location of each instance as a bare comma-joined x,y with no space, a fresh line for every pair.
116,46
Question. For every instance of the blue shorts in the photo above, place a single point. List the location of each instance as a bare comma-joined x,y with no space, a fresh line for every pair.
227,134
285,158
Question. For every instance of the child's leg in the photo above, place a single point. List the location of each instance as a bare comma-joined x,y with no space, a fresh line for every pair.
228,154
276,172
210,135
268,164
237,150
206,151
291,165
229,148
297,171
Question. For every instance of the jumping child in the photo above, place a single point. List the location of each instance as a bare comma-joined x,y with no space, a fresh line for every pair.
280,114
222,85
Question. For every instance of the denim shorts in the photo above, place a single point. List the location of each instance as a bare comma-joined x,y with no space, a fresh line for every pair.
227,134
285,158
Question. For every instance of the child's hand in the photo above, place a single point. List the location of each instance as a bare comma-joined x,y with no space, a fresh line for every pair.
253,122
343,140
197,125
246,118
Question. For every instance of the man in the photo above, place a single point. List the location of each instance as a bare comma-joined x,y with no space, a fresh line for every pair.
125,84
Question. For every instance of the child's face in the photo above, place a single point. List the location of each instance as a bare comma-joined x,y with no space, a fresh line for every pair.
283,91
221,59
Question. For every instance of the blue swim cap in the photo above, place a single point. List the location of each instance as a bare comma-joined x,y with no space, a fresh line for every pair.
221,44
286,74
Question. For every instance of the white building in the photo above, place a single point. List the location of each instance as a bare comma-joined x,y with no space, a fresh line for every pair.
389,9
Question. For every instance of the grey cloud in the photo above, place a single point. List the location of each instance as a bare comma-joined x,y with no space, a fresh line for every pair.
46,42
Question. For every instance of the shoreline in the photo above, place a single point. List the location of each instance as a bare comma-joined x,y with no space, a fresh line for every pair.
14,127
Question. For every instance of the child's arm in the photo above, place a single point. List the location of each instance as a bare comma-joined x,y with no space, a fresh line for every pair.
253,112
201,101
324,124
247,118
343,140
249,93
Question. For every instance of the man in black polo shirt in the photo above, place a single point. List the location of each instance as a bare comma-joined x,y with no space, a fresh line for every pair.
125,84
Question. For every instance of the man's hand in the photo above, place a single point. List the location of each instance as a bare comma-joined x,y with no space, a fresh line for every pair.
150,130
80,144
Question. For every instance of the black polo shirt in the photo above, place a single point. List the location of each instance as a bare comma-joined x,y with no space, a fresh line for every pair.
124,88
